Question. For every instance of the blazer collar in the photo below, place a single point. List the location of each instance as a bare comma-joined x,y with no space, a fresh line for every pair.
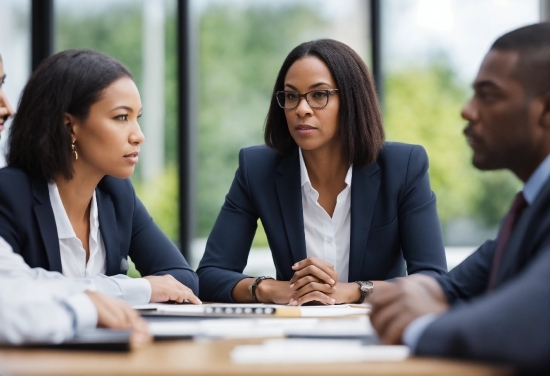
109,233
46,223
289,192
364,191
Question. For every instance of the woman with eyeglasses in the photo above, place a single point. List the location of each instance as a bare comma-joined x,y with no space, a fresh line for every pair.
342,209
66,203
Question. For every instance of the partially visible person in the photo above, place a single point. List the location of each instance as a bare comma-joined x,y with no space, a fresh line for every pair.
6,111
494,306
342,209
38,309
66,203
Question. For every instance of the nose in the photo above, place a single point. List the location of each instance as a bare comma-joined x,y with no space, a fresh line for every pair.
137,137
6,110
303,108
469,112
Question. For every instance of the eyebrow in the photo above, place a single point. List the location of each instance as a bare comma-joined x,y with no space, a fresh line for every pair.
311,87
130,109
485,84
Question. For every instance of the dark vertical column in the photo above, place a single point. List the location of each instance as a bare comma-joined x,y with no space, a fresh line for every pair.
186,152
42,31
376,43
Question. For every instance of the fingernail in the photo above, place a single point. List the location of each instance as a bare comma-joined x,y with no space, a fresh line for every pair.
332,281
291,286
333,300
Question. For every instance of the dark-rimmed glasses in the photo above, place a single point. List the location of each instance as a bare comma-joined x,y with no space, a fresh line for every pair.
289,100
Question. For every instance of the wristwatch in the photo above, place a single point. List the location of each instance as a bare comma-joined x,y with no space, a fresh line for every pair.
255,285
366,288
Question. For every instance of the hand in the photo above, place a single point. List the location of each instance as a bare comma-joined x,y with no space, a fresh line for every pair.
116,314
313,281
402,302
166,287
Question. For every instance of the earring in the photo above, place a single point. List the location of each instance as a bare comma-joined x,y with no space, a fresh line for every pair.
74,151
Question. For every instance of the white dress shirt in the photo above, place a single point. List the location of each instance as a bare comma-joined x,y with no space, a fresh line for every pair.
327,238
73,255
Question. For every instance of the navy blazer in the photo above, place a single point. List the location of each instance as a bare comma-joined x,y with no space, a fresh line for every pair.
393,219
512,323
27,223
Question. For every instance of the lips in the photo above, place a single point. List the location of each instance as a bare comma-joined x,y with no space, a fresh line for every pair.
132,157
305,129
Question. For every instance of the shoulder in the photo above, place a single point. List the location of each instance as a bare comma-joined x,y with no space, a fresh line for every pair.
259,157
403,156
14,180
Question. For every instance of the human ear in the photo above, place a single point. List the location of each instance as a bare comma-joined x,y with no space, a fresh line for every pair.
69,121
545,113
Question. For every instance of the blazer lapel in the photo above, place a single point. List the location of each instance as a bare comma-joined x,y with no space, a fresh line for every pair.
290,199
520,243
46,223
364,190
109,232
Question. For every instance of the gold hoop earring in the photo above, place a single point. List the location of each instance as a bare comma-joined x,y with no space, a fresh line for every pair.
74,151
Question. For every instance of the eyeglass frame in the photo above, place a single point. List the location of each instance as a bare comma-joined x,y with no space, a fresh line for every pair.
300,96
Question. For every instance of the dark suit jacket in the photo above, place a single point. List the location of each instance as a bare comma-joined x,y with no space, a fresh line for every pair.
27,223
512,323
393,219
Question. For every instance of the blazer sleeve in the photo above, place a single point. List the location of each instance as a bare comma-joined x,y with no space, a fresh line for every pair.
420,230
229,242
154,253
471,277
510,325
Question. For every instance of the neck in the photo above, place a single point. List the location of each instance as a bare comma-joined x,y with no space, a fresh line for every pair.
527,166
76,195
325,167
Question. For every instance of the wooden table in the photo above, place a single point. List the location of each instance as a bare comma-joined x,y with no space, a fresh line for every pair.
211,358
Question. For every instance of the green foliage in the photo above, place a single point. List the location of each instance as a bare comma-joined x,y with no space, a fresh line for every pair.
239,60
160,197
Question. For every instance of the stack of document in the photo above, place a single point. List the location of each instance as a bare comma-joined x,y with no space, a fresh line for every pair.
241,310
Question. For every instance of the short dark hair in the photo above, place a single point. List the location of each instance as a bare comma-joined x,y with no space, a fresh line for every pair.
69,82
359,117
532,42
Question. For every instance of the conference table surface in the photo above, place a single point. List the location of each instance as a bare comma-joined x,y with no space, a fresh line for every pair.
212,357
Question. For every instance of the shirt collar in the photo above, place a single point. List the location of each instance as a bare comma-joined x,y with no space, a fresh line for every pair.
304,176
64,227
534,185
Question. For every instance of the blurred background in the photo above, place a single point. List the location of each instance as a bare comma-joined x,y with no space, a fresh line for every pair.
429,52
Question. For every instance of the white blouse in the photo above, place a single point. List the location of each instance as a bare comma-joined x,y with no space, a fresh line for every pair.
327,238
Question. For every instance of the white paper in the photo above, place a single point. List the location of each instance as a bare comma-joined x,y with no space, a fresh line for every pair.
289,351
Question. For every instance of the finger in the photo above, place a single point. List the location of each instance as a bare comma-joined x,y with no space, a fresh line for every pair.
299,283
382,319
311,261
315,296
193,299
321,264
391,293
314,286
314,271
393,334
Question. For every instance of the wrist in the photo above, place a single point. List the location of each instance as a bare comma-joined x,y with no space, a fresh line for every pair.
259,287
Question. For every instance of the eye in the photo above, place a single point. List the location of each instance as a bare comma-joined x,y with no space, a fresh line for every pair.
320,94
122,117
291,96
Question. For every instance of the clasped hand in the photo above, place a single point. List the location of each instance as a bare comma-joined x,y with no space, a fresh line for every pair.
316,280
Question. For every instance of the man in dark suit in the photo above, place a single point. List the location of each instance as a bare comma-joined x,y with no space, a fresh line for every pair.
494,306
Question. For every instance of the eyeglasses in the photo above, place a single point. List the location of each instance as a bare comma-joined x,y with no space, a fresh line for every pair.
315,98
